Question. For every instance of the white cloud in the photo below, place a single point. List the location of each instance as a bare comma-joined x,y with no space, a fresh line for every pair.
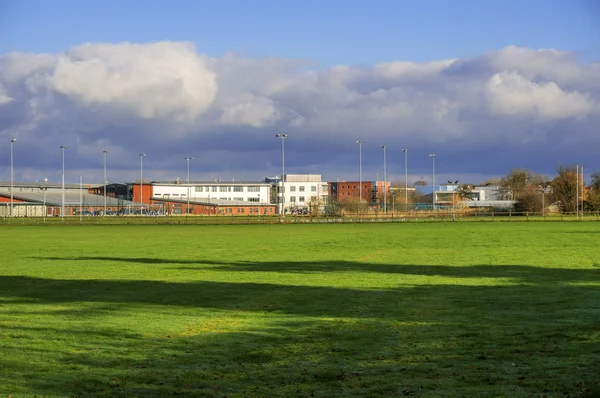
167,96
510,94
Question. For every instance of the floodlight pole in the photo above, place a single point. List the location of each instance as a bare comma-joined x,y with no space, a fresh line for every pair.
359,171
432,156
283,137
405,178
141,183
104,152
12,141
384,182
62,207
187,211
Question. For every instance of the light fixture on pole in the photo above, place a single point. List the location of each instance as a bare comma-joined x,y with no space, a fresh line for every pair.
105,182
359,171
455,183
432,156
141,183
384,182
405,178
45,189
283,137
62,207
187,211
12,142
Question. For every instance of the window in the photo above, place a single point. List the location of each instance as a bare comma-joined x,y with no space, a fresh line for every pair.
240,199
301,199
213,189
241,210
238,189
301,188
253,189
313,188
292,188
253,200
292,198
222,189
198,189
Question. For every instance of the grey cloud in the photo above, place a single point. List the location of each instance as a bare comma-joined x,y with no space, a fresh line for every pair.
170,101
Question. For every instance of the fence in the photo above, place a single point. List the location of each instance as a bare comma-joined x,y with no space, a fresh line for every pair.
392,217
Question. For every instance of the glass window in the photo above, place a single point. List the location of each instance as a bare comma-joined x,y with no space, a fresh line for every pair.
301,188
313,188
292,188
253,189
238,189
301,199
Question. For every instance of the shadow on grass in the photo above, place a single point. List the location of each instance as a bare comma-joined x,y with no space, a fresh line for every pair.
452,340
520,273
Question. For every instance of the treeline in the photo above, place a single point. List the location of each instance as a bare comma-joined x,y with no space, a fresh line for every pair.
567,191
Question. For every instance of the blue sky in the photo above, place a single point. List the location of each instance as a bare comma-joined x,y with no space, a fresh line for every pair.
326,32
486,85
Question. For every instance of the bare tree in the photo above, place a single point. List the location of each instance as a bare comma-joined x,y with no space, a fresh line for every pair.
564,188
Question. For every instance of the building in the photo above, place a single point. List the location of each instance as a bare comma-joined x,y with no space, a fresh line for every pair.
342,191
473,196
301,191
37,199
205,197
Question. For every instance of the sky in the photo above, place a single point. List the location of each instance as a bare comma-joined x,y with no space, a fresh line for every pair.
486,85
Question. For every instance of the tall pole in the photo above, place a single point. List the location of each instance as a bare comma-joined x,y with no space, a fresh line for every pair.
104,152
283,137
45,189
432,156
582,192
577,191
384,182
80,198
405,178
187,211
62,207
359,171
141,183
12,141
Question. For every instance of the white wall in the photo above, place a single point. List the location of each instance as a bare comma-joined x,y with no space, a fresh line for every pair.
248,192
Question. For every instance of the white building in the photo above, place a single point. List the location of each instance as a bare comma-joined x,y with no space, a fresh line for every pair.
299,189
256,192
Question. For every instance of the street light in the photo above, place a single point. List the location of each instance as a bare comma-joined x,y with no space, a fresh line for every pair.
283,137
188,186
141,183
384,182
542,190
104,152
45,189
453,194
12,141
405,177
62,207
359,171
432,156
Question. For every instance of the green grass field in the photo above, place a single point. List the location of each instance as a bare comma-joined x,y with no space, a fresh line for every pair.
416,309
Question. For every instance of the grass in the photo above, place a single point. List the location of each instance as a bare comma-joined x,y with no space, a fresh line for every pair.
417,309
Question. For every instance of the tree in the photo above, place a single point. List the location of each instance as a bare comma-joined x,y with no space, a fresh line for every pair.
564,188
593,198
519,182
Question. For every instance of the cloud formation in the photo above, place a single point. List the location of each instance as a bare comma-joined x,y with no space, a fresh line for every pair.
170,101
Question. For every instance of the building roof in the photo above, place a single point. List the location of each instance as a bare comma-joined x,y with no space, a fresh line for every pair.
215,183
71,198
42,184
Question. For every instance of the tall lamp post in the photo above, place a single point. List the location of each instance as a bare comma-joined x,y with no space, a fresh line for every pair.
62,206
187,211
12,142
283,137
542,190
453,195
384,182
432,156
105,182
405,178
359,171
142,155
